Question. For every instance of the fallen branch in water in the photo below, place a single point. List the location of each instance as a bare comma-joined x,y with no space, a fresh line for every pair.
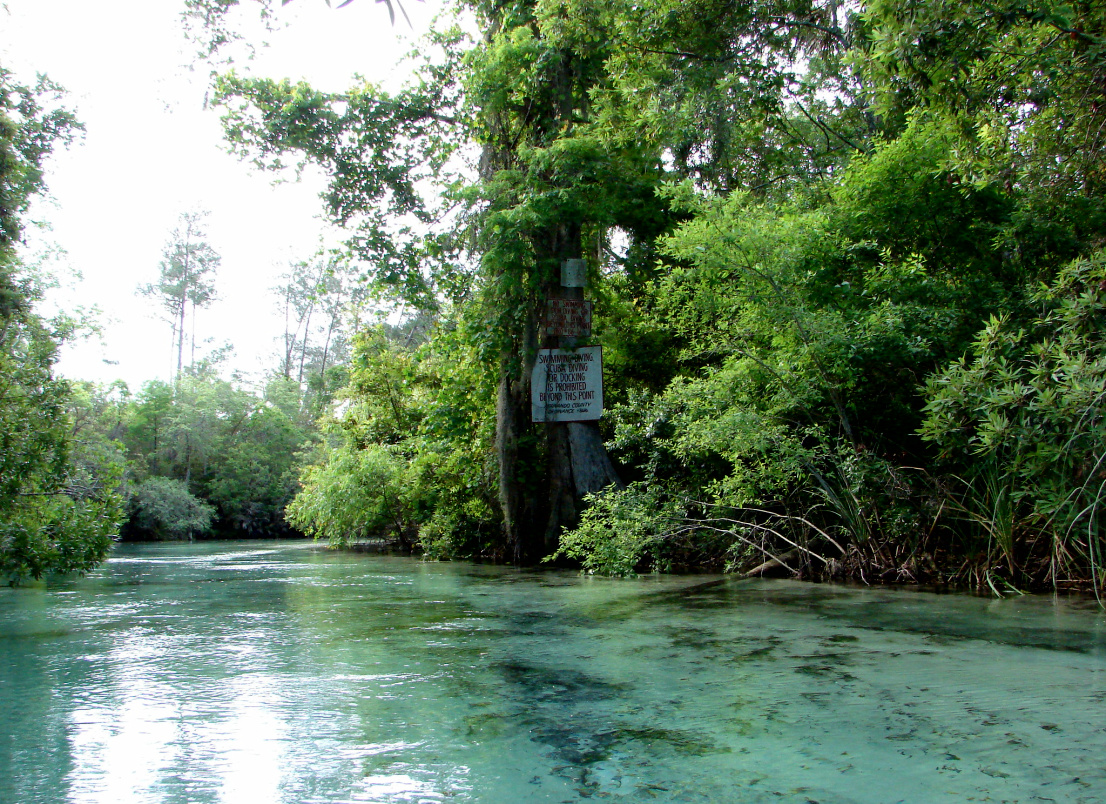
772,564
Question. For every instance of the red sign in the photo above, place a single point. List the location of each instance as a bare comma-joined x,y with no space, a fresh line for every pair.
568,317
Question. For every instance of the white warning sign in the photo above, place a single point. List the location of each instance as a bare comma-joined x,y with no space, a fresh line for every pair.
567,385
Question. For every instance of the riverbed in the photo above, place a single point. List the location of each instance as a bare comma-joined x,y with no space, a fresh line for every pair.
284,673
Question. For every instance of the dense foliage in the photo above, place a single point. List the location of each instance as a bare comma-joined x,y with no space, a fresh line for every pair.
847,269
846,263
235,451
413,459
59,497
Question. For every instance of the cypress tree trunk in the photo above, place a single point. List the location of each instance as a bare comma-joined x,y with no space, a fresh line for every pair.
574,461
515,452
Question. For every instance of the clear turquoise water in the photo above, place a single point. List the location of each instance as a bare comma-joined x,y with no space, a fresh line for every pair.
281,673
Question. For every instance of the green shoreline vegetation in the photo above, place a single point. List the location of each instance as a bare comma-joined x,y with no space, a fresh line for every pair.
848,268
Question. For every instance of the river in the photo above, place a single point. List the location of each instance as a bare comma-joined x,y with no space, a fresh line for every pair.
283,673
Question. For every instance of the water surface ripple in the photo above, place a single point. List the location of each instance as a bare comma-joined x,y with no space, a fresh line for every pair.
281,673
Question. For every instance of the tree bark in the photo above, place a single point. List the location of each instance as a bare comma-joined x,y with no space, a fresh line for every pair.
592,469
518,460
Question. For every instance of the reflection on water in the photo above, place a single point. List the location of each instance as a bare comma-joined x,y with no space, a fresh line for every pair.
287,674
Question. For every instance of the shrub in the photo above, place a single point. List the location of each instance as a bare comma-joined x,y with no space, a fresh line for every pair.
163,508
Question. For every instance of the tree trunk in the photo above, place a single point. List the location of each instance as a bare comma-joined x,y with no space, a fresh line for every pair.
578,464
335,313
517,460
303,346
575,462
592,469
180,341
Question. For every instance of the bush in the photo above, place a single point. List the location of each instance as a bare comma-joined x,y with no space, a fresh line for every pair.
1020,420
163,508
353,494
623,530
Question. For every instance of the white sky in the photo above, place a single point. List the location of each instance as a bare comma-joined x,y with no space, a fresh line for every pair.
151,151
